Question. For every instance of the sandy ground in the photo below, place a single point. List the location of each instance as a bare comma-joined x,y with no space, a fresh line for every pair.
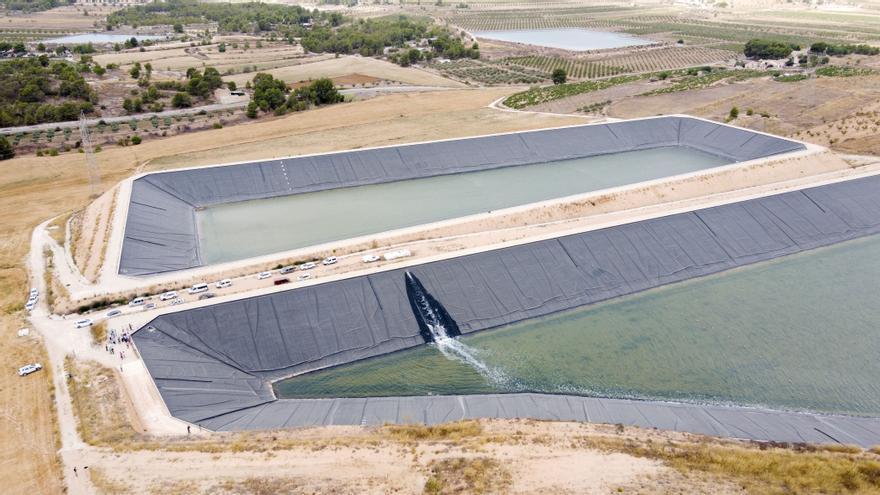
88,241
792,107
68,18
353,64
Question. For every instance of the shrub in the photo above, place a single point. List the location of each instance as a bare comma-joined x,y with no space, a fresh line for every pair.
559,76
135,140
6,150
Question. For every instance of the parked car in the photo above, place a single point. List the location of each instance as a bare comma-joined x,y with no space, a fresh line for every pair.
281,281
329,261
263,275
287,269
167,296
307,266
30,305
149,306
177,301
393,255
304,276
198,288
370,258
34,292
113,313
137,301
223,283
207,295
29,368
85,322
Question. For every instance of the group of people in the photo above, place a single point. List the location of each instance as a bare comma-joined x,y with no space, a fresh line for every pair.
113,339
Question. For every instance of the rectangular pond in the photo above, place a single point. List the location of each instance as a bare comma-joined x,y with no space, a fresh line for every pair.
575,39
234,231
799,332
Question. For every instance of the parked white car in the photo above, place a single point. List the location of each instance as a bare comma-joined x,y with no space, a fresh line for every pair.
113,313
307,266
85,322
34,292
329,261
29,368
167,296
223,283
370,258
198,288
137,301
393,255
30,305
304,276
177,301
263,275
149,306
287,269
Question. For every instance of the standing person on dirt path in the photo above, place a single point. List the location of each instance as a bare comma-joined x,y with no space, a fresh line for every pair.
187,429
74,472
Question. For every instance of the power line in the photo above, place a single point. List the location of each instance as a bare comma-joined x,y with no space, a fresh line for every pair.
91,166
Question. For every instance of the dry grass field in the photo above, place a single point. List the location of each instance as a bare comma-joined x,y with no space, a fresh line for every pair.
346,65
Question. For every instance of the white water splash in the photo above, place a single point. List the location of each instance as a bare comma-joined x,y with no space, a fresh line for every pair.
451,347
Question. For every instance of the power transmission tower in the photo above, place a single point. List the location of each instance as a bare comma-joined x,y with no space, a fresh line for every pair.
91,165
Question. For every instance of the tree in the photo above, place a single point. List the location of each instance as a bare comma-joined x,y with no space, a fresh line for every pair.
178,27
252,110
221,48
135,71
135,140
231,85
559,76
181,100
6,150
770,49
325,92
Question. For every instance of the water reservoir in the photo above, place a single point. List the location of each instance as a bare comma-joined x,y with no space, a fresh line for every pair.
799,332
239,230
575,39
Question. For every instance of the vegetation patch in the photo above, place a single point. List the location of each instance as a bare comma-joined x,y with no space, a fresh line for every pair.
446,431
34,91
536,96
467,475
96,396
692,82
761,468
843,71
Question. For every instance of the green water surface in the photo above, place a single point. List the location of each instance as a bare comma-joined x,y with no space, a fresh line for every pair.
801,332
245,229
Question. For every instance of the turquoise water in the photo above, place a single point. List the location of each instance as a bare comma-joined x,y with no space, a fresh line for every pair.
801,332
577,39
241,230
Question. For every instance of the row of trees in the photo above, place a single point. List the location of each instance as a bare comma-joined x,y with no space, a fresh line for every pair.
34,91
231,17
839,50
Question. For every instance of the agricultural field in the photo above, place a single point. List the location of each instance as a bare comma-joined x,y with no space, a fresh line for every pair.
508,71
647,60
236,57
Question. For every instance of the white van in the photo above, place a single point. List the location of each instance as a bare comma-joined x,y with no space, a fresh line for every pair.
137,301
329,261
171,294
197,288
223,283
